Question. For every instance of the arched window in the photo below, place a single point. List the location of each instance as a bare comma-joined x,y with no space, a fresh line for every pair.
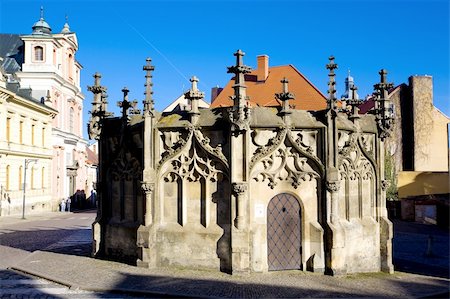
7,177
71,119
20,178
38,53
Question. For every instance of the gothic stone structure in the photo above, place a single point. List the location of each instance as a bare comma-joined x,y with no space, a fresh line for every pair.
241,189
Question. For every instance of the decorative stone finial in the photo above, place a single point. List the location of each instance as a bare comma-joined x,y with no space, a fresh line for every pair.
125,104
194,95
240,96
331,102
148,102
239,115
354,102
384,109
285,96
98,111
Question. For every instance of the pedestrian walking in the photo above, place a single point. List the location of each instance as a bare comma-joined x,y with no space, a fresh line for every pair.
63,205
68,201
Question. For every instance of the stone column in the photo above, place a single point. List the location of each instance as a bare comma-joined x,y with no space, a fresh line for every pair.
333,188
240,190
148,189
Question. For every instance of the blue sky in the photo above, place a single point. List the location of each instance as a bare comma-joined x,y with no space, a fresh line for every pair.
186,38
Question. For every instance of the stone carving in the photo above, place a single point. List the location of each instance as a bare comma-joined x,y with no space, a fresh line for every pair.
265,150
239,188
193,168
177,148
204,142
195,136
385,184
354,162
148,188
239,118
125,166
333,186
285,164
302,141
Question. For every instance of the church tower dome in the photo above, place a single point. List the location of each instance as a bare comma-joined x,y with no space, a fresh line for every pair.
41,26
349,85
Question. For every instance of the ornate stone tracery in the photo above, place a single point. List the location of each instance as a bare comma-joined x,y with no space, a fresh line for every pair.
284,159
193,168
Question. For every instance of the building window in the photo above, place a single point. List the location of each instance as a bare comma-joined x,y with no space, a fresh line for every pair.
38,53
43,137
70,68
8,129
32,134
7,177
21,132
71,119
43,177
32,177
20,178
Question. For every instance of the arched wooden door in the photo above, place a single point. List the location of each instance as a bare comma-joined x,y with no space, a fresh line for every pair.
284,233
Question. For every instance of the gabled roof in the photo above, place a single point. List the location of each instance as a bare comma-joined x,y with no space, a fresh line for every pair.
182,104
262,93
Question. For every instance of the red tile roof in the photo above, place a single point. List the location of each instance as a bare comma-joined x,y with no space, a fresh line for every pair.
262,93
92,157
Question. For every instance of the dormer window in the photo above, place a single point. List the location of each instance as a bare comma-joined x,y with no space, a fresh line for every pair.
38,53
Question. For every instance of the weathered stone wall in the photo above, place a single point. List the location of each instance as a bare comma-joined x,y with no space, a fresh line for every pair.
430,128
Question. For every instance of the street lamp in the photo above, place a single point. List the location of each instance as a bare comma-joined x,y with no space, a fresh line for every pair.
27,161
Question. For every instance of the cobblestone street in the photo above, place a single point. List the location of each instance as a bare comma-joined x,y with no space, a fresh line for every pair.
57,247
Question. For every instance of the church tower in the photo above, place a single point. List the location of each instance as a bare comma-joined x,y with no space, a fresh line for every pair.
52,72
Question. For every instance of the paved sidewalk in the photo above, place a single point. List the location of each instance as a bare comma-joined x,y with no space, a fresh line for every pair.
105,276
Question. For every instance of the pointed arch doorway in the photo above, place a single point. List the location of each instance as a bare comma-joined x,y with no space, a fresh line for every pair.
284,233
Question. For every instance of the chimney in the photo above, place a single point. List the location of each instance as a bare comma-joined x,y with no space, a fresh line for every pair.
263,67
215,91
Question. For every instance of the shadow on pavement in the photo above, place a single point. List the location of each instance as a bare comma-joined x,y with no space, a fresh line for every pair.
421,249
67,241
304,288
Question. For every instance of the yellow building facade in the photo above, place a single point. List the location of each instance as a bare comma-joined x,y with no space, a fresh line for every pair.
25,154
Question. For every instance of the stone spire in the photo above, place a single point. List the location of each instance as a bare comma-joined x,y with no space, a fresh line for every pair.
41,27
240,96
331,102
384,109
239,115
149,105
98,111
194,95
285,96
